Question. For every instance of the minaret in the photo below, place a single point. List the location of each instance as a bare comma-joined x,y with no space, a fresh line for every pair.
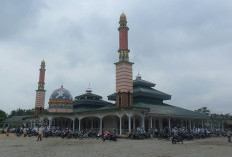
40,92
124,83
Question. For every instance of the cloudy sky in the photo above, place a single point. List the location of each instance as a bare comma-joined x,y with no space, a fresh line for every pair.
185,47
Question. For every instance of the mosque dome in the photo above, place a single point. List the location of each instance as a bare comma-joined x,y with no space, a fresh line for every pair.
61,93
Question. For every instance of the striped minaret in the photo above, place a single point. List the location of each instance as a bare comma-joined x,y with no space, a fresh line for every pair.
40,92
124,83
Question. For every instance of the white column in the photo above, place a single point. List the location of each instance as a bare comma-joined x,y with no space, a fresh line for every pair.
202,123
151,122
190,125
134,127
129,121
219,125
120,125
79,124
73,124
100,124
169,123
49,123
143,123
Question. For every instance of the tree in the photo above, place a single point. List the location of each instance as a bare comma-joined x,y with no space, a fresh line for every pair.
203,110
3,115
22,112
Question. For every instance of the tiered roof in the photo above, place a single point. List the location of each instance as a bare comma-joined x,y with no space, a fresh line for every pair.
89,101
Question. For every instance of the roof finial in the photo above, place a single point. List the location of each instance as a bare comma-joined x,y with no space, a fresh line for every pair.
62,84
43,62
138,76
88,90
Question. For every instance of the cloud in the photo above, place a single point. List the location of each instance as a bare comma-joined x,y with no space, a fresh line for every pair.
182,46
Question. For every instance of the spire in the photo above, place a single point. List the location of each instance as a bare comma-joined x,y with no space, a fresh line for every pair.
123,39
89,90
43,62
138,76
123,22
41,76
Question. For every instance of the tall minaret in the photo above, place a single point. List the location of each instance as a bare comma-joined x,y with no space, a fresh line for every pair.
40,92
124,83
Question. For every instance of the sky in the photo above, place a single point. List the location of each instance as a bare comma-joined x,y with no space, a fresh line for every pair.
184,47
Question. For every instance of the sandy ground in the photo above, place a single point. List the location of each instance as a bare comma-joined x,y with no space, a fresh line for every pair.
28,147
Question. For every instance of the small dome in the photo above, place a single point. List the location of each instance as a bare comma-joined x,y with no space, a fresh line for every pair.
123,15
61,93
43,62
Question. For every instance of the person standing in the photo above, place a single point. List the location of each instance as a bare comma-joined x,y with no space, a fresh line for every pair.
229,135
7,131
40,131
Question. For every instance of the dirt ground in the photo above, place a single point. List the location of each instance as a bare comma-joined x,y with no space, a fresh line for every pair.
28,147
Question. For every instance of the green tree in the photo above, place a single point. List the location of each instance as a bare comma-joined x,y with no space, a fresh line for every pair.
22,112
3,115
203,110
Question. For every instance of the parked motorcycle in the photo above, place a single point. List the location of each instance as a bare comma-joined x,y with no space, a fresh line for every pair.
109,136
177,139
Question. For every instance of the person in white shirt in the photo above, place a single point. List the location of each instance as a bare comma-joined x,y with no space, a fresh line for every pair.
229,134
40,131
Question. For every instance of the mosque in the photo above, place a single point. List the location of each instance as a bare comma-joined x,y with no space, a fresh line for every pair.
136,102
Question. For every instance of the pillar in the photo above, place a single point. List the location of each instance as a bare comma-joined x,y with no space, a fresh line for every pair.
101,124
202,123
50,122
129,123
169,122
190,125
120,125
79,124
151,123
143,122
73,125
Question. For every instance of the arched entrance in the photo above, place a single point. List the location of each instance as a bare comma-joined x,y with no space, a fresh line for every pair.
110,122
62,122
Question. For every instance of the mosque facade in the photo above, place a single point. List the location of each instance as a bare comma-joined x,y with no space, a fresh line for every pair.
137,103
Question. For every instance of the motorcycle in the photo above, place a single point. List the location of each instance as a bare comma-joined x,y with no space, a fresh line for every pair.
109,136
99,135
177,139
